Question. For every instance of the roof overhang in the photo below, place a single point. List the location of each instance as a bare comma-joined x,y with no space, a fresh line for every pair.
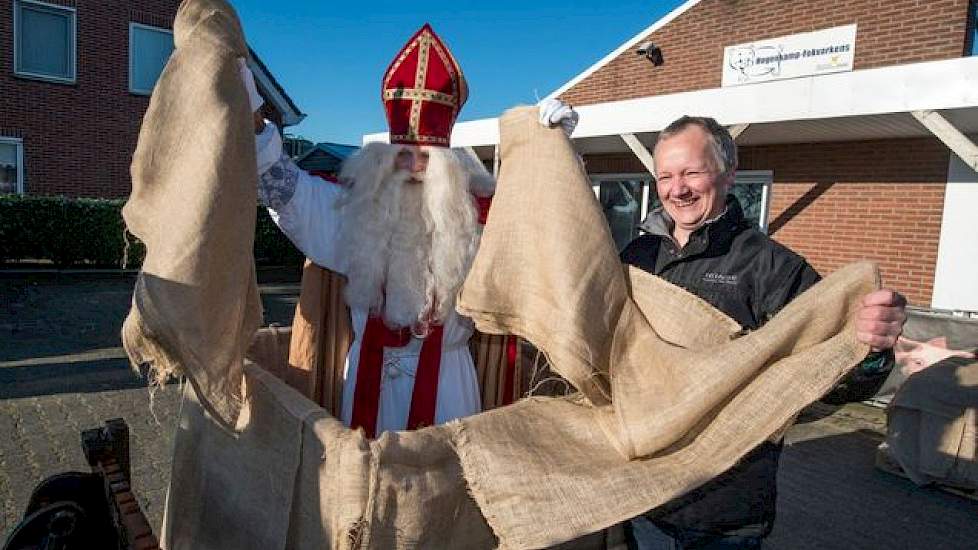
857,105
272,91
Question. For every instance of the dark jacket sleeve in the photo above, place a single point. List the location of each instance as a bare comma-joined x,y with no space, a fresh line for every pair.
788,281
864,381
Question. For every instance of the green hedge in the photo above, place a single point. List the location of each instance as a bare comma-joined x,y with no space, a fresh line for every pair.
90,233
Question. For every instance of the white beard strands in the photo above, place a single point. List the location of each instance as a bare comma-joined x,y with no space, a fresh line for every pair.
413,241
408,273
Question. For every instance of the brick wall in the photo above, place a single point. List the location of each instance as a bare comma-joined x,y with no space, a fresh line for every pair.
836,203
79,138
889,33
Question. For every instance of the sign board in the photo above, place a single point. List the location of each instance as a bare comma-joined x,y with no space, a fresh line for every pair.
807,54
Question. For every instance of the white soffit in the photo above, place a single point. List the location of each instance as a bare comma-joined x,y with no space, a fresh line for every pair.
937,85
465,134
290,115
881,99
897,125
382,137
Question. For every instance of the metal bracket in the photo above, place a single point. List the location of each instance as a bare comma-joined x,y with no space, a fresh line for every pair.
737,129
643,154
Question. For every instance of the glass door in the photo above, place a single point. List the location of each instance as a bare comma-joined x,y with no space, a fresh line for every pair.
624,200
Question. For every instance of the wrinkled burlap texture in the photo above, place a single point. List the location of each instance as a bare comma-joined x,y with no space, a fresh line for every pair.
932,425
196,304
667,399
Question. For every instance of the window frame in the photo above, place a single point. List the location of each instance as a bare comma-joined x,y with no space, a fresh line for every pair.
18,143
764,178
647,183
647,179
72,14
973,16
132,31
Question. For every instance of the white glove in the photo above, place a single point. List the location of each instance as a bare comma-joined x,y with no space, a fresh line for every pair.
554,111
254,98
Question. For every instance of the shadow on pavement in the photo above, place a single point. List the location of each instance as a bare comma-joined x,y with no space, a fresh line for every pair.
62,335
831,496
74,377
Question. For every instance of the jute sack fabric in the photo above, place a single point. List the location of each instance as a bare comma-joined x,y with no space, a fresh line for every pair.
196,304
542,471
654,420
291,476
932,424
288,476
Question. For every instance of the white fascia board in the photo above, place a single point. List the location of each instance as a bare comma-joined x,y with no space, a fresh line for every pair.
290,117
936,85
464,134
379,137
476,132
634,41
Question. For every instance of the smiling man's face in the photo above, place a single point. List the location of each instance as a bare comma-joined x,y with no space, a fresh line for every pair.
691,186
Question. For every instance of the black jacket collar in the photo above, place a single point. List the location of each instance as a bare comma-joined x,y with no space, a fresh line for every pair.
717,232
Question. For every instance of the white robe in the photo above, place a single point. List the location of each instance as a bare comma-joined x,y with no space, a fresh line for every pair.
311,221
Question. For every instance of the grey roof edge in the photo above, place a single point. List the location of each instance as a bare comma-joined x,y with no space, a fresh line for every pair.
322,146
274,92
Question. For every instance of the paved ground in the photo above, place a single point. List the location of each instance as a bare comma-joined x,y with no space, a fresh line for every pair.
831,496
62,370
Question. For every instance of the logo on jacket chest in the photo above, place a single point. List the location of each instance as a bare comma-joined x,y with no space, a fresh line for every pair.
720,278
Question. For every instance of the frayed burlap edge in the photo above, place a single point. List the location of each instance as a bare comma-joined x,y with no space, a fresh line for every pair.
144,349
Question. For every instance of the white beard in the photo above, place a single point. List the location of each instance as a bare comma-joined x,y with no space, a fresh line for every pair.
408,246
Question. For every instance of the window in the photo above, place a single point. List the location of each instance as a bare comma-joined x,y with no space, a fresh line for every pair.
149,50
11,166
974,29
44,41
625,201
752,189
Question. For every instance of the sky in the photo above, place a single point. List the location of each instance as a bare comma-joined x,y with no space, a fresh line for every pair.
330,56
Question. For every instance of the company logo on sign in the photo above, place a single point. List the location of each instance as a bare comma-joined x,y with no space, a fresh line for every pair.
819,52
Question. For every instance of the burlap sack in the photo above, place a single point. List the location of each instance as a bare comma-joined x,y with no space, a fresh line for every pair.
196,304
543,471
288,476
666,402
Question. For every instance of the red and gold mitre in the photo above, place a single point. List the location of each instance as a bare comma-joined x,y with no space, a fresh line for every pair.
423,91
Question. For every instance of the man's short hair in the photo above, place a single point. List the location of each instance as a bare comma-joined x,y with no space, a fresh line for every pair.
721,142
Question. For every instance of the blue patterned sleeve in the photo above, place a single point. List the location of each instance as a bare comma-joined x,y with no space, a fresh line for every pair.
303,206
277,184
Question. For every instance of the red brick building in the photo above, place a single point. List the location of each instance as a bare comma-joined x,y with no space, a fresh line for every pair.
852,119
75,80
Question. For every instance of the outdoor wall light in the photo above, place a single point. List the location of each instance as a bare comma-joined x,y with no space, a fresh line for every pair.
650,51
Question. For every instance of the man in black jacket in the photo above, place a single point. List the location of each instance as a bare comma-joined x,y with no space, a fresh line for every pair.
699,240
